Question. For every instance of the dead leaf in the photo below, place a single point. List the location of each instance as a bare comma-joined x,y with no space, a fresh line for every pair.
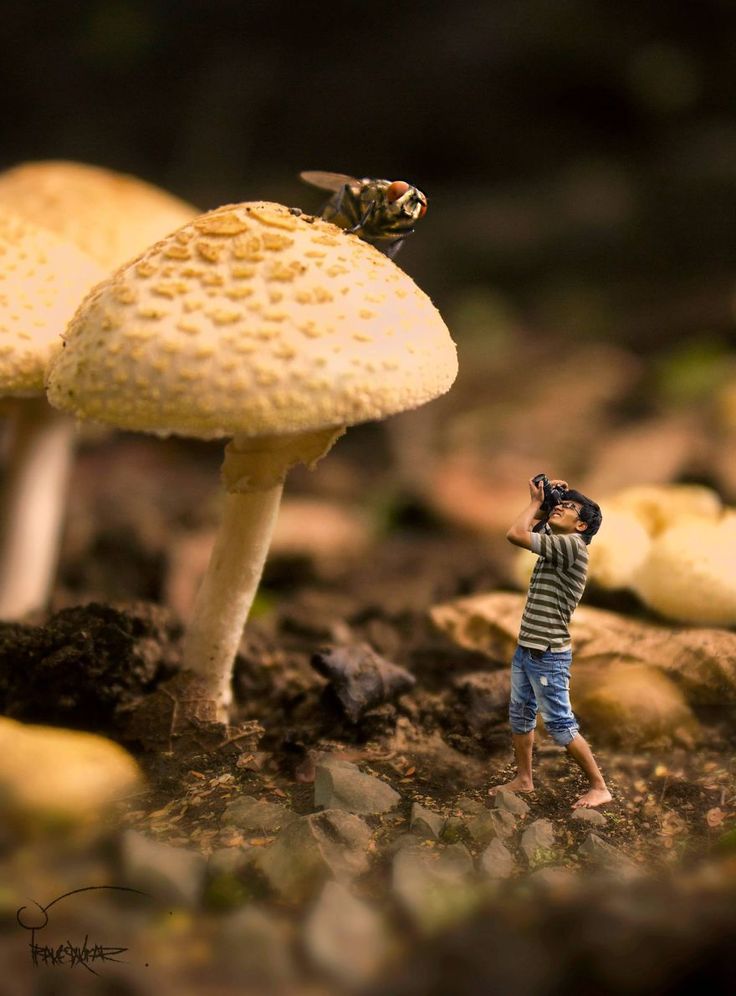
714,817
164,811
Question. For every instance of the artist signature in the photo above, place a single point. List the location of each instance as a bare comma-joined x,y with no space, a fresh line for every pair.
67,953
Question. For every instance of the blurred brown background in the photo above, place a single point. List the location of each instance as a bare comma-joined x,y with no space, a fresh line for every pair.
580,158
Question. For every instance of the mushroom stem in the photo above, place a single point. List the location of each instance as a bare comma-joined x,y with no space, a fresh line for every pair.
229,587
253,472
34,489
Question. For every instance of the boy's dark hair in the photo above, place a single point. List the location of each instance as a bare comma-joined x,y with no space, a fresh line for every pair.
590,513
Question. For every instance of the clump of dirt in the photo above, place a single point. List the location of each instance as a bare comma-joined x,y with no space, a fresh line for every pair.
86,666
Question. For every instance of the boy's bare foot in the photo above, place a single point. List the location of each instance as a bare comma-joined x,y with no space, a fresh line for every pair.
515,785
593,797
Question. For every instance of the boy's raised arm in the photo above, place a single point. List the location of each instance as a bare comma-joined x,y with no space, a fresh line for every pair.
520,532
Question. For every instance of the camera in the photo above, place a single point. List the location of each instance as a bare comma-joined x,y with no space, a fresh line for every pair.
552,495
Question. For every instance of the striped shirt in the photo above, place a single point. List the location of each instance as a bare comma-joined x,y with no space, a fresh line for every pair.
556,586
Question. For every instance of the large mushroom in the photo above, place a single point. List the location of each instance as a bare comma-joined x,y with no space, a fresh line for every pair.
42,280
268,326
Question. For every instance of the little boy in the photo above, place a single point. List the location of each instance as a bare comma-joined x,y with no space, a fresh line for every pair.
540,669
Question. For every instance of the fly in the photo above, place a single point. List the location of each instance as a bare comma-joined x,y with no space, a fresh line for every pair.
381,212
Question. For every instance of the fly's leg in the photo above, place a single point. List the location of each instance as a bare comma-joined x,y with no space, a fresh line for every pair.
343,208
364,219
392,248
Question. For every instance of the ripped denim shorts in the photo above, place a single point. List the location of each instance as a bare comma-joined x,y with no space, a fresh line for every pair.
540,681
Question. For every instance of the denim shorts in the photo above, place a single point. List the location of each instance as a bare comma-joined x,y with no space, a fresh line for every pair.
540,679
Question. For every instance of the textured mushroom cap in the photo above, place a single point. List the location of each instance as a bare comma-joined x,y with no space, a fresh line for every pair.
689,573
110,216
658,505
42,281
253,320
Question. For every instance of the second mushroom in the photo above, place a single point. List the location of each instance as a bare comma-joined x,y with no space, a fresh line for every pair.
261,324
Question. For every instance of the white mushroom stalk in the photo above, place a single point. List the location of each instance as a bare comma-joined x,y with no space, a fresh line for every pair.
266,326
32,505
253,473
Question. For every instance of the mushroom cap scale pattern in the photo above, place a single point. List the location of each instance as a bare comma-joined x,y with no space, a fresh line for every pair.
42,281
108,215
256,320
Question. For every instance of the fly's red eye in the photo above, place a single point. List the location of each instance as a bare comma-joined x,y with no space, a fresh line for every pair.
423,209
395,190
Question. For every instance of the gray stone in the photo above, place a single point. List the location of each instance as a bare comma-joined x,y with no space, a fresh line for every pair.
497,861
314,849
230,860
260,946
454,830
231,878
344,937
425,823
470,807
172,875
554,880
455,860
604,855
436,891
511,802
342,785
257,815
492,823
587,815
537,842
409,840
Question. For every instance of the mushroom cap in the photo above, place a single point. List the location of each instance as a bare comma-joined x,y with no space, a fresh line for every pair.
253,320
110,216
58,775
42,281
689,573
659,505
618,549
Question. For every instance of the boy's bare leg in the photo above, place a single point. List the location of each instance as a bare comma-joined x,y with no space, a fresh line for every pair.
581,753
523,743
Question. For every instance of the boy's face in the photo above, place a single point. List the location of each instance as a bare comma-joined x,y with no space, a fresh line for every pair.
565,518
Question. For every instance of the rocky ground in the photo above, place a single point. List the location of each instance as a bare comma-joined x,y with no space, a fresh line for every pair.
302,848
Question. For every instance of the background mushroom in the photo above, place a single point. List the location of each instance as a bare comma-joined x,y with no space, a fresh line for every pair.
689,573
42,280
110,216
266,325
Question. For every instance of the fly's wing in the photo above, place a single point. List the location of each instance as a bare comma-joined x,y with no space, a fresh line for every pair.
344,207
327,181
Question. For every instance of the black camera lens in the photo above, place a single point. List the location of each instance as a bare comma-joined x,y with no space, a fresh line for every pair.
553,495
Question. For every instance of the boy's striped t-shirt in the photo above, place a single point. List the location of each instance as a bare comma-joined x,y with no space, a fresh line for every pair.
556,587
